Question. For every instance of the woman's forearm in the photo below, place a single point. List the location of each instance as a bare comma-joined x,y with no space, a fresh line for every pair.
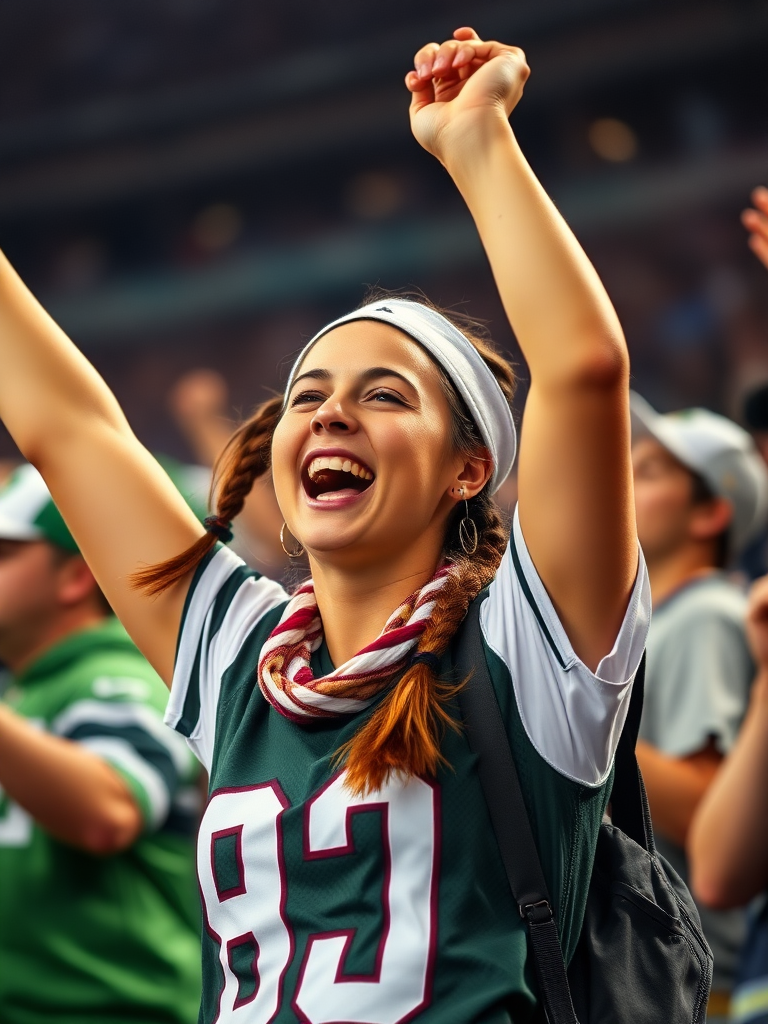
47,386
556,304
121,507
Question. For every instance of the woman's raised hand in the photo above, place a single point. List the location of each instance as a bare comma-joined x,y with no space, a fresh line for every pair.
756,223
457,84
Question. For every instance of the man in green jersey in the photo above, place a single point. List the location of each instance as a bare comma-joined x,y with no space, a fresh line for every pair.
98,803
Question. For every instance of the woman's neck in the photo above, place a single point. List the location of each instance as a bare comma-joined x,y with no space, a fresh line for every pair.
355,606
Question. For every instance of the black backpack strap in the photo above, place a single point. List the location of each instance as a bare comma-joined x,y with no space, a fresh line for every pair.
498,776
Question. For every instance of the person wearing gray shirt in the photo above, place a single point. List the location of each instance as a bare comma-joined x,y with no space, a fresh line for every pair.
697,683
701,493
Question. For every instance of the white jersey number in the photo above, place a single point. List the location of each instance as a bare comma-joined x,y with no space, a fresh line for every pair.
247,917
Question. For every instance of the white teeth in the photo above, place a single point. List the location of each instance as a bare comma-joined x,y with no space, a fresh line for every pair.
334,462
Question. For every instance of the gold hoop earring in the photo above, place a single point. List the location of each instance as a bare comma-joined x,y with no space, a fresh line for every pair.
297,552
468,537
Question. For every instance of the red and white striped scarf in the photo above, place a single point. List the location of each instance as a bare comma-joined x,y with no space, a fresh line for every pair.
285,675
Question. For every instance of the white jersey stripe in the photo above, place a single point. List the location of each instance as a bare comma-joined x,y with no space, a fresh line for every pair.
122,755
219,569
255,598
119,714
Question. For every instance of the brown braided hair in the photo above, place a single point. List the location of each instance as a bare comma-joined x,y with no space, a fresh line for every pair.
403,734
246,457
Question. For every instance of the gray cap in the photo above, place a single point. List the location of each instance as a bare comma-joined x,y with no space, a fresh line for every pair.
720,452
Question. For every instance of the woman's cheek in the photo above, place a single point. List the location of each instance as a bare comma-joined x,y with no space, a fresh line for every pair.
283,472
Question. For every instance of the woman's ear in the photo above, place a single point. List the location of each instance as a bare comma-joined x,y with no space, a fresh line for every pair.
475,473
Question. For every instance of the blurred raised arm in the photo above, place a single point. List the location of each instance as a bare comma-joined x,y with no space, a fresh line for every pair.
199,402
755,220
728,843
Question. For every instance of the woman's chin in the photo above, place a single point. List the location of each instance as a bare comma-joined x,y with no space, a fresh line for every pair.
326,541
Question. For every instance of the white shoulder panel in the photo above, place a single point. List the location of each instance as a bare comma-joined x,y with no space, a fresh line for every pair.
572,716
202,659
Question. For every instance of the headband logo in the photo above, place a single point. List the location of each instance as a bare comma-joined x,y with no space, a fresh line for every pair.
384,309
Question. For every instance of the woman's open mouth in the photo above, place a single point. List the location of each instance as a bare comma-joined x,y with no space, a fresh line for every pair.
334,477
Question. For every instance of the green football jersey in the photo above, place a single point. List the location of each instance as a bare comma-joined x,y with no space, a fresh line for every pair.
99,940
321,906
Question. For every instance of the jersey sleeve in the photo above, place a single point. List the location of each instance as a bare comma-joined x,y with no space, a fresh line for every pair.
572,716
120,719
226,601
704,672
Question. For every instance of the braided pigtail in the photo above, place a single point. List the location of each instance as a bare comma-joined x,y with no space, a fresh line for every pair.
246,457
404,732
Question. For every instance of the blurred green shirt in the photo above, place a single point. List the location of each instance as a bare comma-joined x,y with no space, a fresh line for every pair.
96,939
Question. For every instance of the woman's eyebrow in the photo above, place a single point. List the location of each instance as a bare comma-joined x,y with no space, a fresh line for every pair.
372,373
384,371
312,375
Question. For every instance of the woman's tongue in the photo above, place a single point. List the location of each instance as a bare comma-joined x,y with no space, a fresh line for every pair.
330,485
344,492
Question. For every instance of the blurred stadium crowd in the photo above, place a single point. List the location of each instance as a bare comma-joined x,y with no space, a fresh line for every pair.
167,200
176,209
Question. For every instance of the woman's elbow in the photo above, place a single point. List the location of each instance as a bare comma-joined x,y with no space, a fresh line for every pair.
604,366
599,365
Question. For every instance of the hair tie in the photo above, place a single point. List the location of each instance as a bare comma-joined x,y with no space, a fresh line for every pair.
221,528
426,658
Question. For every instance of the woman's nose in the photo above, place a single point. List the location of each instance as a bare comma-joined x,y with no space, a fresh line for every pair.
332,417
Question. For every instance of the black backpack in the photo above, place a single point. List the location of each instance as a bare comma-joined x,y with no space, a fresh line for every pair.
641,957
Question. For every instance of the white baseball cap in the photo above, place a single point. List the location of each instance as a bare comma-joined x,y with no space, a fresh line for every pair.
720,452
27,511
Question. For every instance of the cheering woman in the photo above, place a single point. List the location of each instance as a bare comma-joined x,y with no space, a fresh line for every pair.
347,865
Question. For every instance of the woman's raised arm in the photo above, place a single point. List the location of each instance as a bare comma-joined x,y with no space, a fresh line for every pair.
575,484
120,506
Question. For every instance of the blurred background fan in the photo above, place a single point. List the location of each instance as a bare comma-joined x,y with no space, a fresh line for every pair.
204,182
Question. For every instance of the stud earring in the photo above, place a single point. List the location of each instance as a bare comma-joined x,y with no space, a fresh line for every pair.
297,552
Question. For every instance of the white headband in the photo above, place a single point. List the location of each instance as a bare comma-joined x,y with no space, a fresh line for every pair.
461,361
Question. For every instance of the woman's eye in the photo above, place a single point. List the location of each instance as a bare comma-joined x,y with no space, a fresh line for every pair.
386,396
307,396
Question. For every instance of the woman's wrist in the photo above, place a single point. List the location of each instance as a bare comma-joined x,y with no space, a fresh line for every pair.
471,142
